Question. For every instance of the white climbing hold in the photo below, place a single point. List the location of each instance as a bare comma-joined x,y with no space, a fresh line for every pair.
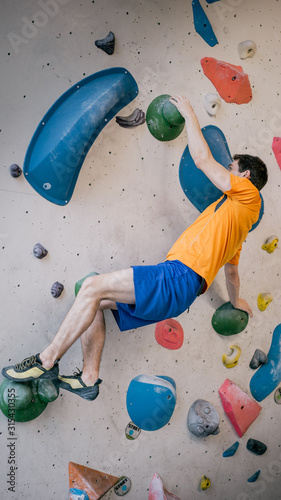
211,103
247,49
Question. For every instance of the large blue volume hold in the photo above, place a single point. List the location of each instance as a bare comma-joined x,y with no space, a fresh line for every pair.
64,136
268,376
195,184
151,401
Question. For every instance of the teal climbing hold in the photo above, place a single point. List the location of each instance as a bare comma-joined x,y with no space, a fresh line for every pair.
64,136
254,477
256,447
268,376
76,494
151,401
231,451
202,24
195,184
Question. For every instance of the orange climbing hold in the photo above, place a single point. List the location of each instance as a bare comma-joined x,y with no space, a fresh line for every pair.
231,82
92,482
240,408
276,148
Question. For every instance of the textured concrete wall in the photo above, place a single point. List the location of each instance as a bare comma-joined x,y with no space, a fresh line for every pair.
128,208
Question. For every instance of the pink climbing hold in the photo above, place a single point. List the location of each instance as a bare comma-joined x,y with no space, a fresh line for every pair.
240,408
231,82
157,491
276,148
169,334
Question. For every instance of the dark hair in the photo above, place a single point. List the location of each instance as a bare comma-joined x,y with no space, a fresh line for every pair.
257,168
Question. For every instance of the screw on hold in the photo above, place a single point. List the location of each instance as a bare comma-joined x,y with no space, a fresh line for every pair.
256,447
232,360
39,251
264,300
137,117
15,170
270,244
277,396
259,358
254,477
107,44
57,289
205,483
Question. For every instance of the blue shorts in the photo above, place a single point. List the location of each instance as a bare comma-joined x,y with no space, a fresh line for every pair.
162,291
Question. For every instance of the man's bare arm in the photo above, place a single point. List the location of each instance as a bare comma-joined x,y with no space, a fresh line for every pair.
198,147
233,286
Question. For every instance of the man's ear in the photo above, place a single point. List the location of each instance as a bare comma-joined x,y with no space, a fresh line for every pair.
247,174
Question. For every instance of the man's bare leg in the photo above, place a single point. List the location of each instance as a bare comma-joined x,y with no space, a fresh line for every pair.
86,383
117,287
92,345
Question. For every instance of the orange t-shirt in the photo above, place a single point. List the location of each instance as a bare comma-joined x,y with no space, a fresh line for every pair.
216,237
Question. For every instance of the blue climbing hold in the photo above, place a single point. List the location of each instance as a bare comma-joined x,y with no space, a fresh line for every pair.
76,494
195,184
231,451
64,136
268,376
254,477
151,401
202,24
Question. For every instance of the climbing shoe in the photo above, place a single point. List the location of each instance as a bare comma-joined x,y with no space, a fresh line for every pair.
30,369
75,384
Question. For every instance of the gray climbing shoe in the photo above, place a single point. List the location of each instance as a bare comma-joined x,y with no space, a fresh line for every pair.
30,369
74,383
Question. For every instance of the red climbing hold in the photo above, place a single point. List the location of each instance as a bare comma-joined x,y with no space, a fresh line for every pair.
240,408
231,82
169,334
276,148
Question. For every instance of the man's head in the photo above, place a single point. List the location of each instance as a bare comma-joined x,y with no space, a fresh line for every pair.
251,167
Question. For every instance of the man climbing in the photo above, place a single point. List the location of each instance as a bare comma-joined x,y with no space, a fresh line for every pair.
142,295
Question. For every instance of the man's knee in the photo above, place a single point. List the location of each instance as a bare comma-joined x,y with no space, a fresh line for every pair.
90,286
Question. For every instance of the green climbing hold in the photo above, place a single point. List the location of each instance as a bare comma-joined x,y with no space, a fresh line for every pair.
47,391
79,283
19,400
229,321
18,394
163,119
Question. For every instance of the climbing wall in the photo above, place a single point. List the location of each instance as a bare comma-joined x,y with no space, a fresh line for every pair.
128,207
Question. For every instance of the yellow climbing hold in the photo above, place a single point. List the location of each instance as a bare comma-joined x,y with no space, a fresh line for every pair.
205,483
263,300
270,244
232,360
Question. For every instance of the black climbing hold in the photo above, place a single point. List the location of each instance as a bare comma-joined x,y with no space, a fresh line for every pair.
137,117
107,44
57,289
15,170
259,358
256,446
39,251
